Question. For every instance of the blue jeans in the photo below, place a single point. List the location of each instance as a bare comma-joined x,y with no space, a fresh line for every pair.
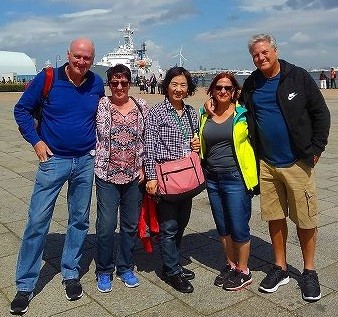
109,198
50,178
173,219
230,205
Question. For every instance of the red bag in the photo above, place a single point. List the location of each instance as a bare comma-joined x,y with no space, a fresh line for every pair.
180,179
148,226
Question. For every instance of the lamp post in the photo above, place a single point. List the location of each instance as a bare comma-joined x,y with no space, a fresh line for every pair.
57,59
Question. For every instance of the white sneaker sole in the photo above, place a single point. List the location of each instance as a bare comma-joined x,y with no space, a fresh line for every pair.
311,299
75,298
12,311
274,289
128,285
104,290
238,288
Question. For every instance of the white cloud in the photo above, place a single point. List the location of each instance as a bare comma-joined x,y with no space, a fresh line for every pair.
258,5
308,53
301,37
88,13
296,30
299,33
153,49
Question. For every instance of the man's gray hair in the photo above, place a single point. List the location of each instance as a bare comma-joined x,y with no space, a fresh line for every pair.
262,38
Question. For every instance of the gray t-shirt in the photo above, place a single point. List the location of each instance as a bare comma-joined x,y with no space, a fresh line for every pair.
219,152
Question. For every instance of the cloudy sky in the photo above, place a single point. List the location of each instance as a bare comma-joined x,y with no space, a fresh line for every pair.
213,33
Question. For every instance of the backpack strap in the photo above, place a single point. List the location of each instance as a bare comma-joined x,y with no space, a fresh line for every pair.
47,86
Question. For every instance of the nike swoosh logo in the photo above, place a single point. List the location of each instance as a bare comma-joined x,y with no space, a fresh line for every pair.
292,95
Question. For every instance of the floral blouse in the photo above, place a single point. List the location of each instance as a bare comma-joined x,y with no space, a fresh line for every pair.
119,144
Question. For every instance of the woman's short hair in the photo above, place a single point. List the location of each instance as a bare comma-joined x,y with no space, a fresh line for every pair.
177,71
262,38
234,82
120,70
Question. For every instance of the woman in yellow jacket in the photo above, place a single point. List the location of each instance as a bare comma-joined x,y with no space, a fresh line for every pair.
231,173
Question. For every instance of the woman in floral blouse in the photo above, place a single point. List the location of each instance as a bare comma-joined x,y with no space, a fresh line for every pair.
119,177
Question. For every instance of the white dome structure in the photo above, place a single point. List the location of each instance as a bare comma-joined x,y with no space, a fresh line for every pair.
17,63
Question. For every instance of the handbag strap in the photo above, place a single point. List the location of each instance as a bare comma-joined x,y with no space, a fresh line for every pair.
140,111
190,121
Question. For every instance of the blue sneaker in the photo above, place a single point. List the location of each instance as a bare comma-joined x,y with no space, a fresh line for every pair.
129,278
104,284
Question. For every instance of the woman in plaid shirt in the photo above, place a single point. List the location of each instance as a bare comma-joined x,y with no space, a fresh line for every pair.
169,136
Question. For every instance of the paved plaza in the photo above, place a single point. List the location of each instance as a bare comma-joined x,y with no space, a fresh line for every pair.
201,250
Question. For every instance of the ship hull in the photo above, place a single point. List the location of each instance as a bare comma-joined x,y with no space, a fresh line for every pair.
101,71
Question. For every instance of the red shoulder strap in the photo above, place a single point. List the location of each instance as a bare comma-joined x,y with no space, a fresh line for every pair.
49,71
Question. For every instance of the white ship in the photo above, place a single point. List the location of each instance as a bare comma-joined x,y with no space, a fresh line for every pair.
243,72
135,59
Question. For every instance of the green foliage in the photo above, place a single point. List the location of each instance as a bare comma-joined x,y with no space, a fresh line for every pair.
15,87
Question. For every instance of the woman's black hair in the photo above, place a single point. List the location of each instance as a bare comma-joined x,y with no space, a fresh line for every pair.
120,69
177,71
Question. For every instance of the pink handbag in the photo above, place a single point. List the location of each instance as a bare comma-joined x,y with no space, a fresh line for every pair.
180,179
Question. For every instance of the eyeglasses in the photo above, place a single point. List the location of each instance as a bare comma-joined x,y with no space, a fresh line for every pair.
220,87
115,83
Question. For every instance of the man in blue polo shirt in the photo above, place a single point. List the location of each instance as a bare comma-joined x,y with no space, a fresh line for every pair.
64,145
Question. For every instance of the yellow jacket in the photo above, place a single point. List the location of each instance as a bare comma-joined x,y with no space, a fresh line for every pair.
245,155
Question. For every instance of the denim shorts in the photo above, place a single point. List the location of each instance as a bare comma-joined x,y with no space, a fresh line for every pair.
230,205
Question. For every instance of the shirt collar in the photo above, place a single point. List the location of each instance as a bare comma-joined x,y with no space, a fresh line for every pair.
63,76
169,105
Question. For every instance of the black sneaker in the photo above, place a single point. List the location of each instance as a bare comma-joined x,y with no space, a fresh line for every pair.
275,278
220,278
73,289
20,302
310,286
236,280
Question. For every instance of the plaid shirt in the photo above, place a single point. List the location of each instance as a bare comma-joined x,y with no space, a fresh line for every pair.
164,139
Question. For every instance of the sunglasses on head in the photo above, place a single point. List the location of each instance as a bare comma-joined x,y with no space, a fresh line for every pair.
115,83
220,87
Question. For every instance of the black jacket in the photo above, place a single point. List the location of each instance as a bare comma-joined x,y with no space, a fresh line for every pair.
303,107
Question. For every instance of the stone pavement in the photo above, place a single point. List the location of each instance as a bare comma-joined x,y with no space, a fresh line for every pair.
201,250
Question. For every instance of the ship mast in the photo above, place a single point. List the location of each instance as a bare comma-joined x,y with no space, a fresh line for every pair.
128,37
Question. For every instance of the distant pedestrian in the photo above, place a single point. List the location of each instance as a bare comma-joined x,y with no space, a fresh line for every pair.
333,77
141,84
146,84
159,84
195,80
152,83
323,80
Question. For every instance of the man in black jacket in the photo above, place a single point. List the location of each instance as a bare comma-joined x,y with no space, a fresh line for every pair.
292,124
